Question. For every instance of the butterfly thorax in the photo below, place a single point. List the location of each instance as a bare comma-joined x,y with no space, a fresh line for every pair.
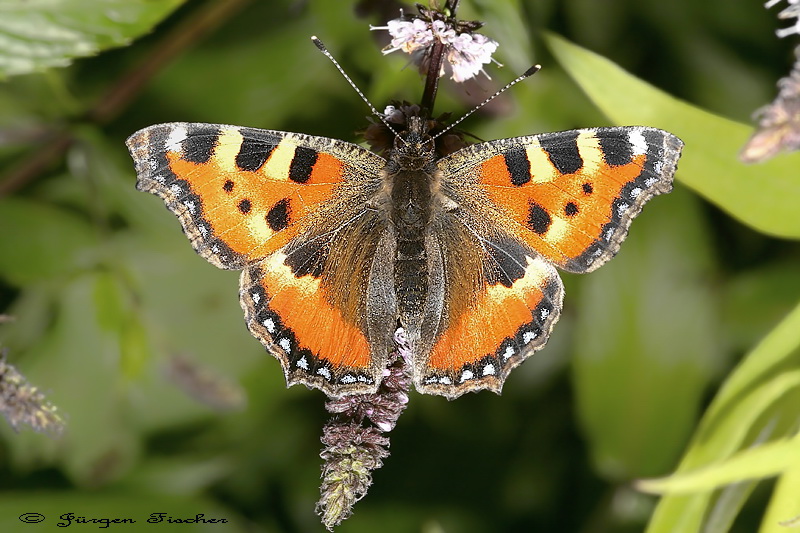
411,178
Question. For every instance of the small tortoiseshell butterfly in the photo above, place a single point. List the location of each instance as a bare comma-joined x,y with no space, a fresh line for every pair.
340,246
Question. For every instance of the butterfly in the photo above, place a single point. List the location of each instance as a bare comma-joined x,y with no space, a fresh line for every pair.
339,246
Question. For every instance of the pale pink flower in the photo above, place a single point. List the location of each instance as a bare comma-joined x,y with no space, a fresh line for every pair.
465,54
792,11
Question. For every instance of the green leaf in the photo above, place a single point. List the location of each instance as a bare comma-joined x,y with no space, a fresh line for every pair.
762,196
113,315
647,321
100,442
765,382
761,461
778,350
783,510
38,35
134,347
108,303
40,241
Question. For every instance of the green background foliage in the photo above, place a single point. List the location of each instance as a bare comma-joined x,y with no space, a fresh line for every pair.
682,354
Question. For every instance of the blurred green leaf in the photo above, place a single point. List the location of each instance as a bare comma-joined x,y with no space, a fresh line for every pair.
109,307
54,241
79,362
765,382
38,35
784,509
134,347
763,196
778,351
113,313
186,475
772,290
277,90
760,461
647,321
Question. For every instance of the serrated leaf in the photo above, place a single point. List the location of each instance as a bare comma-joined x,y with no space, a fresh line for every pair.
762,196
35,35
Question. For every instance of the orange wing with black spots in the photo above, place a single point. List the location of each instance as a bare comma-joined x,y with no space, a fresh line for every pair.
525,205
515,306
571,195
315,342
243,193
338,245
271,203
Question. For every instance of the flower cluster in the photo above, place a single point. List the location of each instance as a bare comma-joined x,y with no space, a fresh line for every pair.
779,122
466,52
793,11
351,453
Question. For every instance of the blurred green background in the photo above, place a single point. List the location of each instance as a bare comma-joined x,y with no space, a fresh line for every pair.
105,292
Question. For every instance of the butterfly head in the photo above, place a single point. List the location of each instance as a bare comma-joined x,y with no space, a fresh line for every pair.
382,135
414,148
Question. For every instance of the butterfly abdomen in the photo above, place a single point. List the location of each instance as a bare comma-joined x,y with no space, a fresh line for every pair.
410,216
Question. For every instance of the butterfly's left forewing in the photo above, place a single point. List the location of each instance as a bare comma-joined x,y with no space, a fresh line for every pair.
272,203
242,193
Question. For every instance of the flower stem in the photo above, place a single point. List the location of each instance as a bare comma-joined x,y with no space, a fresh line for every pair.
435,65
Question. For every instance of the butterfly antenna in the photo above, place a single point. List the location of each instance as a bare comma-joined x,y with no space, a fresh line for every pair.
324,50
528,73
